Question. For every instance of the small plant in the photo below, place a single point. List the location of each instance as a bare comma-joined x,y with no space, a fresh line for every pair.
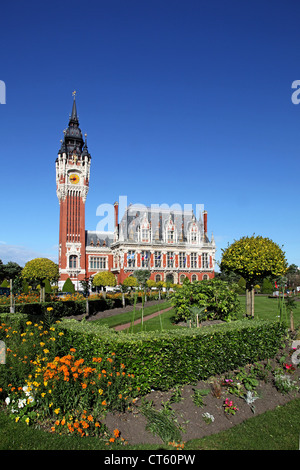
198,396
235,388
284,383
176,395
250,399
160,423
216,389
247,378
290,368
208,418
229,407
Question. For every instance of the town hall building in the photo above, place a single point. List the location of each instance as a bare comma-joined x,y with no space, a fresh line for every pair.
172,244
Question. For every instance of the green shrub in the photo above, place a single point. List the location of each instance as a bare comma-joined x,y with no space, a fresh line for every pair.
160,360
218,297
68,286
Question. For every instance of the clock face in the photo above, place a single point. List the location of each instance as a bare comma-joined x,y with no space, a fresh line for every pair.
74,179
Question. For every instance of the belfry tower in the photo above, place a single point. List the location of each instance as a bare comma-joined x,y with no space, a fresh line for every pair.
72,185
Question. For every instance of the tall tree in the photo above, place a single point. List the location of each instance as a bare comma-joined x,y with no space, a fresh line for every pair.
253,258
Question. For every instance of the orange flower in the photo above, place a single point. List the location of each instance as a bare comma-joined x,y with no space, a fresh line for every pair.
84,385
116,433
90,418
112,439
104,403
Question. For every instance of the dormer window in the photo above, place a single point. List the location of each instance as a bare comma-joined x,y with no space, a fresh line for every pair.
171,234
194,233
145,230
144,235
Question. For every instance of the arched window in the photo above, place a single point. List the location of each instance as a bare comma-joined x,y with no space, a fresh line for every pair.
157,278
73,261
205,277
194,278
182,278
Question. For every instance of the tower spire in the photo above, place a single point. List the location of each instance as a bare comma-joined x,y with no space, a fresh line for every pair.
74,117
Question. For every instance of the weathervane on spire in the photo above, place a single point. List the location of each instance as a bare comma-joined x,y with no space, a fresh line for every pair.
74,94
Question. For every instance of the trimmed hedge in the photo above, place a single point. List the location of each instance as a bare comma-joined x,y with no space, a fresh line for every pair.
161,360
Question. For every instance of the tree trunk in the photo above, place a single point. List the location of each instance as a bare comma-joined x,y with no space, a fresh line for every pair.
12,310
250,300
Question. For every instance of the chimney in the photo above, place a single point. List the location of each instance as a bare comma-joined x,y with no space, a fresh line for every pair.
205,221
116,207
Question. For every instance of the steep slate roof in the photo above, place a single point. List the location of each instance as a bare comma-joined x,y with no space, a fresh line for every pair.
101,239
159,218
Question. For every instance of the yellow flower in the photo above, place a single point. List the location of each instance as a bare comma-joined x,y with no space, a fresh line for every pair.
46,351
27,421
42,344
57,411
17,418
100,391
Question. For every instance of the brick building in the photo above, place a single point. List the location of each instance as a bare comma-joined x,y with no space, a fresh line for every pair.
171,243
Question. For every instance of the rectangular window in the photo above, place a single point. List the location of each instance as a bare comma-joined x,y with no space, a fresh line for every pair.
131,259
171,236
145,235
73,262
170,259
97,262
157,259
205,264
182,259
193,260
193,237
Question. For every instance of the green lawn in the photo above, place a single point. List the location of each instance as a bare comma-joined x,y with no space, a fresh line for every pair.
265,309
128,317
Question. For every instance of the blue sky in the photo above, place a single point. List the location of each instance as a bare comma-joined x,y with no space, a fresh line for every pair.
183,102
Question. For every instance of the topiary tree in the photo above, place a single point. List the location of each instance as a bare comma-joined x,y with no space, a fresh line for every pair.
38,270
253,258
104,279
68,286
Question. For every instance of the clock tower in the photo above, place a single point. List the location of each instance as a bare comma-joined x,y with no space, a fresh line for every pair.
72,185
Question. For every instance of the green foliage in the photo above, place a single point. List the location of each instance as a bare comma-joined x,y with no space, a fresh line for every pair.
254,258
68,286
142,276
40,269
5,283
219,299
198,396
130,281
160,423
153,356
103,279
267,286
